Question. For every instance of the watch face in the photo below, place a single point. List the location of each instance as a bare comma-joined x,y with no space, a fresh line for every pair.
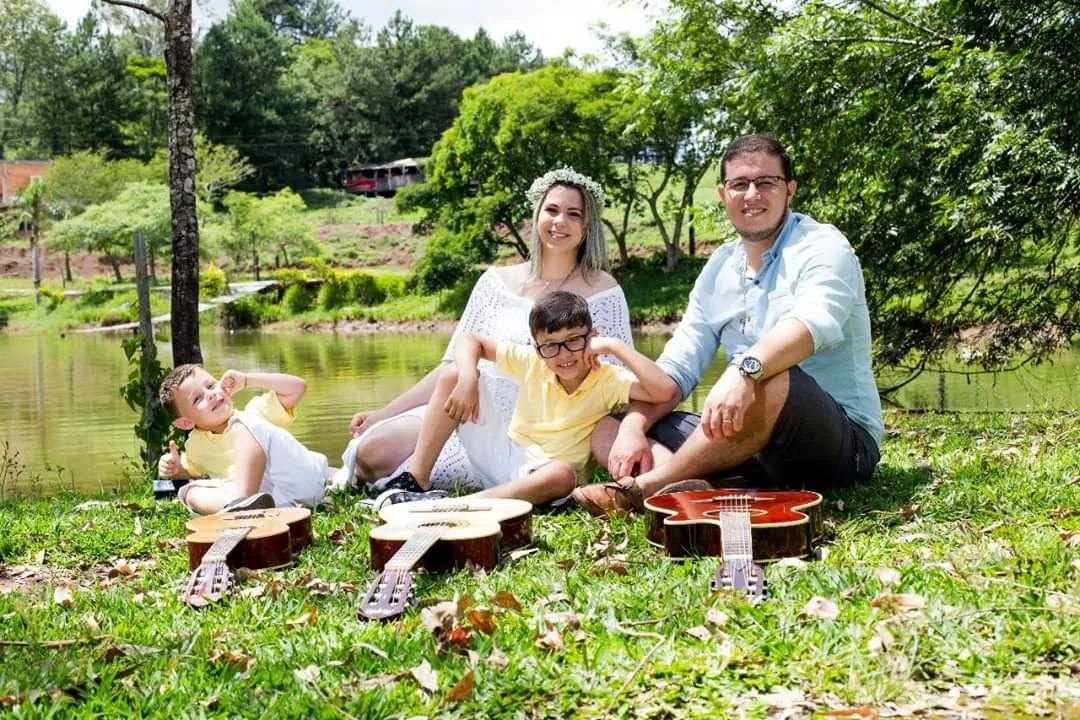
750,367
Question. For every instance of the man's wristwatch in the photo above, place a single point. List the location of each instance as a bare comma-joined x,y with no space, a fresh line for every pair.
751,367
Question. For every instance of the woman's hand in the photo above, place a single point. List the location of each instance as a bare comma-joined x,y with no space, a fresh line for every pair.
363,421
463,405
630,453
726,405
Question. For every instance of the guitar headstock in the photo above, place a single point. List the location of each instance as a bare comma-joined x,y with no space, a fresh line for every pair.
742,576
388,595
209,583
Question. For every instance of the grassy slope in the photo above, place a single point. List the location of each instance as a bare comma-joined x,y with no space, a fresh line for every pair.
977,514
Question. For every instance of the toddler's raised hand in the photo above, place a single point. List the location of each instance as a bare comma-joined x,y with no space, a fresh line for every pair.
232,382
169,464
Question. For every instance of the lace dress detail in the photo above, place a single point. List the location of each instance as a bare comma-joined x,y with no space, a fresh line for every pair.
495,311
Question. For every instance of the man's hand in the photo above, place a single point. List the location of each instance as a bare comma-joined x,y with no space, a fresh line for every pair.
463,405
169,465
726,405
232,382
363,421
630,451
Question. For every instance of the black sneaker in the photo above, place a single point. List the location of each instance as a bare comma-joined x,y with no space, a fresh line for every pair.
258,501
393,496
402,481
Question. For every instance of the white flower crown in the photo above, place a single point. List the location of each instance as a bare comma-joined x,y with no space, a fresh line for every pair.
568,176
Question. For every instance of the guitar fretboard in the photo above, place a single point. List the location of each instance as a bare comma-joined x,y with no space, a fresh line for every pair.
735,539
419,542
225,543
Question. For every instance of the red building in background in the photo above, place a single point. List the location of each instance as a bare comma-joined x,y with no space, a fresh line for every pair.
17,174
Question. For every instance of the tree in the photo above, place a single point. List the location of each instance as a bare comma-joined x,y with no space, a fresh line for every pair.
32,211
942,138
29,49
185,223
219,167
511,130
270,224
302,19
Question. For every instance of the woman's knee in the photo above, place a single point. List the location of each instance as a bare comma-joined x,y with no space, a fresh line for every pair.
381,450
448,377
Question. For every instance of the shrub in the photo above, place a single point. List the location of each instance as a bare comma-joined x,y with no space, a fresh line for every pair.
335,290
392,286
212,282
100,292
287,277
446,260
365,289
52,297
298,299
249,312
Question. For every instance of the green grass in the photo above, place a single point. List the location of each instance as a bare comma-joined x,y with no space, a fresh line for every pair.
976,514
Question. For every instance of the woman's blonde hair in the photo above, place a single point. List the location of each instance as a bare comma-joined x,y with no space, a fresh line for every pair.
592,255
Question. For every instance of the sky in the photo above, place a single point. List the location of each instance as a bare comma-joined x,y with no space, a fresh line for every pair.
551,25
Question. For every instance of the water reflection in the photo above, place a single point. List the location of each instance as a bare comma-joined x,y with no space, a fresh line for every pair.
63,407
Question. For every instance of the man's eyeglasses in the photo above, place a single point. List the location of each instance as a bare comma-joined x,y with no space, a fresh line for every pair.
764,184
574,343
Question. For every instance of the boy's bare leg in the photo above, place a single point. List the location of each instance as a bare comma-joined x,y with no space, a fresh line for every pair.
549,482
435,430
206,500
383,449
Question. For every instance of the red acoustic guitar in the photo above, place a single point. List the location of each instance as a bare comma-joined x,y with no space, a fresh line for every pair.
254,539
739,525
438,535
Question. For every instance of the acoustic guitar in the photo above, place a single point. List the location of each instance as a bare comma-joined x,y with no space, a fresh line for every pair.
438,535
254,539
741,526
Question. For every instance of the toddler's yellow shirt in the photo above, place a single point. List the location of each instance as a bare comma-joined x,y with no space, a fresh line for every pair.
549,422
208,454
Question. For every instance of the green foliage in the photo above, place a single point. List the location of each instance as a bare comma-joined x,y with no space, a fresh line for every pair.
298,299
287,277
391,286
251,311
447,257
154,427
212,282
52,297
335,290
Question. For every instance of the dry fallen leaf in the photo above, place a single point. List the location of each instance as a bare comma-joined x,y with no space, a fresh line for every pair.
717,617
317,586
609,564
483,620
40,557
791,562
121,567
91,505
861,713
62,596
550,641
441,618
505,599
372,648
900,603
887,576
516,555
426,677
462,689
91,622
498,659
233,658
253,592
374,682
821,608
309,675
557,596
700,632
912,537
882,639
338,535
308,618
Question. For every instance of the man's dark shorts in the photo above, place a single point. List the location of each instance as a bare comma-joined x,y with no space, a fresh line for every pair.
814,445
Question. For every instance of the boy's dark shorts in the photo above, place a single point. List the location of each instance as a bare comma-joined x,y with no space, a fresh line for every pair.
814,445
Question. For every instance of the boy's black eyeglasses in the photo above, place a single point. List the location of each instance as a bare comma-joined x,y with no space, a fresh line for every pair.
574,343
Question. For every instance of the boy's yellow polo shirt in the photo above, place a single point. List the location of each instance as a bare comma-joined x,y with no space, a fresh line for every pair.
549,422
208,454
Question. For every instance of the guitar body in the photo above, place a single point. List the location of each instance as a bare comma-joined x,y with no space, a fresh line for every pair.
253,539
438,535
513,516
467,541
259,550
783,523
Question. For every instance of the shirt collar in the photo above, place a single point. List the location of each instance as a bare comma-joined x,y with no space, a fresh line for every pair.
767,257
552,379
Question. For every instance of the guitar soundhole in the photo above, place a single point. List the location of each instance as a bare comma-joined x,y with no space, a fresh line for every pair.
715,513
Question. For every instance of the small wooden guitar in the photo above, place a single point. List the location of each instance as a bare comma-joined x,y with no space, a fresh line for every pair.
254,539
739,525
438,535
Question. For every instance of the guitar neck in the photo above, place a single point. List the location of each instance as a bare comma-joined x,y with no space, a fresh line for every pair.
735,536
227,541
419,542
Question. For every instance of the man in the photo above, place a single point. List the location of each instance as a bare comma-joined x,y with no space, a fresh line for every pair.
797,404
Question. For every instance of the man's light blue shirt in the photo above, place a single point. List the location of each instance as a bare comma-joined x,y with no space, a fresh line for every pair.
810,274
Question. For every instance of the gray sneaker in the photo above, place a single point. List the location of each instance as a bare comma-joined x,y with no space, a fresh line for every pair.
394,496
258,501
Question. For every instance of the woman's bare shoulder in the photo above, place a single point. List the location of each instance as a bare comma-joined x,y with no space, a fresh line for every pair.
601,281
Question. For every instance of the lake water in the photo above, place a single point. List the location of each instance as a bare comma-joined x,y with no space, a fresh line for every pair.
62,408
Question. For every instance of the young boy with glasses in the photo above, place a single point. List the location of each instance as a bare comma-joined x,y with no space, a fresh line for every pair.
565,390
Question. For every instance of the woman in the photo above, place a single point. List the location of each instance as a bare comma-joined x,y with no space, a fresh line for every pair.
568,253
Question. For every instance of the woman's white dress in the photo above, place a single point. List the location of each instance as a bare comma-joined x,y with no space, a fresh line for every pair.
496,311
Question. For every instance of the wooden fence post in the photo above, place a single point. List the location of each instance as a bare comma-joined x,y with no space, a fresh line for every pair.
149,350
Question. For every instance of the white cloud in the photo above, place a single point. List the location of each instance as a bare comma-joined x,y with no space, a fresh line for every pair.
551,25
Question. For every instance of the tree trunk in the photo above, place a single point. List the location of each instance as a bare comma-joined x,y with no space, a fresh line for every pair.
67,265
35,262
255,261
185,223
115,262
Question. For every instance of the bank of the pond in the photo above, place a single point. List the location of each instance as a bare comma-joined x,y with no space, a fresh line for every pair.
409,327
947,587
